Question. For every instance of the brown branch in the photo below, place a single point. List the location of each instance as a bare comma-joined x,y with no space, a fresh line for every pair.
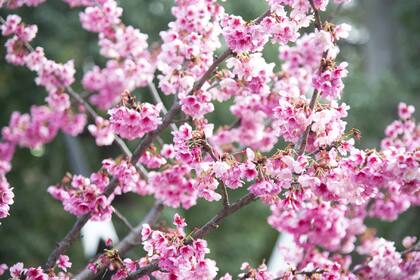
308,274
318,22
128,243
66,242
211,69
143,271
215,221
225,195
301,145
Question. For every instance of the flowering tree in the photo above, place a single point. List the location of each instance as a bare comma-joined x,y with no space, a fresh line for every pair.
319,186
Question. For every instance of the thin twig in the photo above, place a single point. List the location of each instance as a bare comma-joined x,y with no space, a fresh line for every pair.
225,195
415,248
301,145
318,22
128,243
158,100
306,273
82,101
123,219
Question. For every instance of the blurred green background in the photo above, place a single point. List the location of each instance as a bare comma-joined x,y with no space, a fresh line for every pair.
384,69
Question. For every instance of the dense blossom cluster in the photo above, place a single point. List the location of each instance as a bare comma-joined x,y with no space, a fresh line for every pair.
176,254
188,48
129,180
43,123
81,195
130,64
132,123
320,187
6,197
173,187
386,262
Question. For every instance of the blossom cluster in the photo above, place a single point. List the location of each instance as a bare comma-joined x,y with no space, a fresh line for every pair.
20,3
130,64
132,123
129,180
81,195
188,48
179,256
173,187
386,262
18,270
43,122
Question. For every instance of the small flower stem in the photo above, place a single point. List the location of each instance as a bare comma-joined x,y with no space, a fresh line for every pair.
123,219
318,22
301,145
225,194
157,99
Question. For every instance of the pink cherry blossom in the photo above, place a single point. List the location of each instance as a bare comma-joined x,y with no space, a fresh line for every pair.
176,255
134,123
102,132
63,262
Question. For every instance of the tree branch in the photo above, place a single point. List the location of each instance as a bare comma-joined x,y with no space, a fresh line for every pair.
157,99
128,243
318,22
66,242
123,219
301,145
